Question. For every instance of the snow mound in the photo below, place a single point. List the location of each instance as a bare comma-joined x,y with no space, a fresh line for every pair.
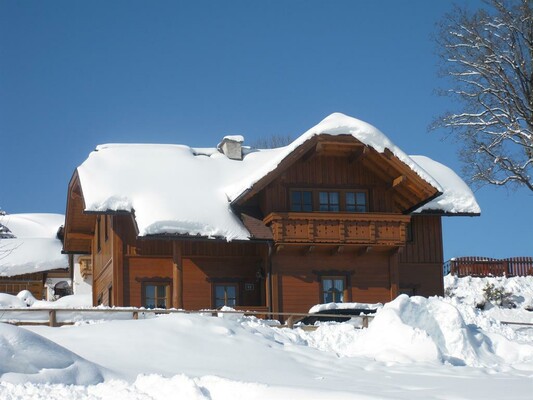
10,301
416,329
344,306
27,356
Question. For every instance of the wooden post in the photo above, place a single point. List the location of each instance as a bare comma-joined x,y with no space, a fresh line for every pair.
290,322
394,274
52,318
177,275
365,321
118,263
136,315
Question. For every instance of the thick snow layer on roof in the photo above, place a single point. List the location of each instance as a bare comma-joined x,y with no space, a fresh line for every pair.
334,124
176,189
33,225
35,247
457,197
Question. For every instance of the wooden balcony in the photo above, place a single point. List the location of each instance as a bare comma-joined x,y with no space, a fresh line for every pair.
86,268
339,228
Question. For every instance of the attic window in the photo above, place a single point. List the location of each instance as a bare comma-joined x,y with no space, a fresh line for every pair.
356,201
329,201
301,200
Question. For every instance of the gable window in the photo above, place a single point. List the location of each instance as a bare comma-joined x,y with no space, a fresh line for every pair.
301,200
156,295
225,294
329,201
333,289
356,201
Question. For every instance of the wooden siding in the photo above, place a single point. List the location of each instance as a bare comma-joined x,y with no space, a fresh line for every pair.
102,261
15,284
421,259
425,245
327,172
201,274
144,269
297,277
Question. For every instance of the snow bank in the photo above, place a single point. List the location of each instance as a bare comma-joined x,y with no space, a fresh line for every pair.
26,356
10,301
344,306
416,329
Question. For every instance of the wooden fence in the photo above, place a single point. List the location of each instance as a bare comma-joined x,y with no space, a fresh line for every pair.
483,266
67,316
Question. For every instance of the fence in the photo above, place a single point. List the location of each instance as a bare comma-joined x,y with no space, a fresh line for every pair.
67,316
483,266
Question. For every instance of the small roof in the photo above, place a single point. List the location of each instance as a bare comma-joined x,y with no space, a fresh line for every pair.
176,189
34,247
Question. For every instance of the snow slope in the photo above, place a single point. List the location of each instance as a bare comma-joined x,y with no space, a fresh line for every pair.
416,349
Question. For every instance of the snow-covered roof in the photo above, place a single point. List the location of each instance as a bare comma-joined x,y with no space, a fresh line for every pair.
34,247
457,197
176,189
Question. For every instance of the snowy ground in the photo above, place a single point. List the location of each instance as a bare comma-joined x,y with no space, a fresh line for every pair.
415,348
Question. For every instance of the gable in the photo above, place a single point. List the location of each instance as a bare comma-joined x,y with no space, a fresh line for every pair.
327,160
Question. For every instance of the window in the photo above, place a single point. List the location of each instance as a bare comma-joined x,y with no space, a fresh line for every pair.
225,295
98,239
333,289
106,228
156,295
356,201
301,200
328,201
110,296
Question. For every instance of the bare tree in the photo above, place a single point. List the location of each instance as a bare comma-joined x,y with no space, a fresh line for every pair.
272,141
487,54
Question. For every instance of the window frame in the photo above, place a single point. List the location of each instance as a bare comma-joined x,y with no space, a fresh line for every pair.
329,204
316,204
156,283
225,284
302,203
356,204
333,278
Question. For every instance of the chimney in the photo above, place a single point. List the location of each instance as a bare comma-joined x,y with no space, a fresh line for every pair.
231,146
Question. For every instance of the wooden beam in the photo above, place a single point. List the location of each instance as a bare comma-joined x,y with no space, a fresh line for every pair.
358,154
337,250
80,235
177,275
398,181
364,250
309,249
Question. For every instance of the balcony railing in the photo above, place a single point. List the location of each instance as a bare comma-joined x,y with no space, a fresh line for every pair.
339,228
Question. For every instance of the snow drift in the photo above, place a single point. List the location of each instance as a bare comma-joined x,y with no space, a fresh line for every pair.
26,356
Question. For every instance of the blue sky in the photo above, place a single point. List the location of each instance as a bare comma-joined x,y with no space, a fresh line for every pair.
76,74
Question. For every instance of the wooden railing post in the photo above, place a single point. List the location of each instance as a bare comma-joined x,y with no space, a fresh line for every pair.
52,318
290,322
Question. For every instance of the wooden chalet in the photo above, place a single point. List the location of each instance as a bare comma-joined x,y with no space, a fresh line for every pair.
339,215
